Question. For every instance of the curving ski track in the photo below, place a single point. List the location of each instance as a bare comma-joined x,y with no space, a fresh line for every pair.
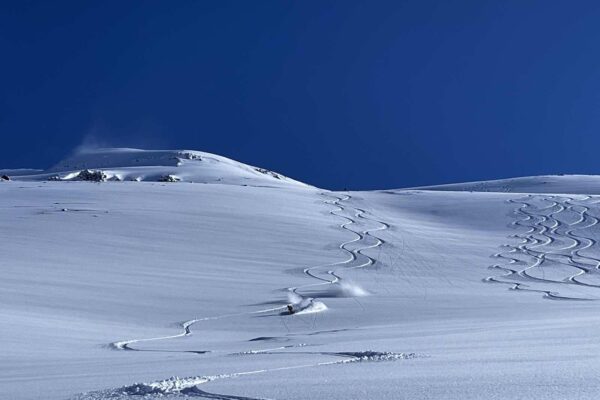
551,245
356,258
326,274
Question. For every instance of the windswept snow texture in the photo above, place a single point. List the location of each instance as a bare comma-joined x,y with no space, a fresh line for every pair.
170,290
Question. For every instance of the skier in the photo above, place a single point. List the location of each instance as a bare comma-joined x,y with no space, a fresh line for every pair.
290,308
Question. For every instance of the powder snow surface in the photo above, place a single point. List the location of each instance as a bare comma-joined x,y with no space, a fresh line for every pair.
127,290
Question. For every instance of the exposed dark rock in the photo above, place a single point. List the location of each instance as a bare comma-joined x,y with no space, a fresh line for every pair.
169,178
91,176
267,172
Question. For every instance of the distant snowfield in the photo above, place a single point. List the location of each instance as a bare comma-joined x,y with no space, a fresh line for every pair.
572,184
127,290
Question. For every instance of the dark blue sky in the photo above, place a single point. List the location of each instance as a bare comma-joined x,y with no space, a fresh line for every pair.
357,94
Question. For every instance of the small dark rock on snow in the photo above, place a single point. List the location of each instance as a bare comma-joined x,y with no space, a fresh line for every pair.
267,172
4,178
190,156
91,176
169,178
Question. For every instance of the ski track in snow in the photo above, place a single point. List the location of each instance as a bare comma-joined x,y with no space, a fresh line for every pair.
188,386
329,276
325,273
538,245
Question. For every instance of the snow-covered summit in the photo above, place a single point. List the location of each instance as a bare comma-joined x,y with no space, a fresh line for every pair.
126,164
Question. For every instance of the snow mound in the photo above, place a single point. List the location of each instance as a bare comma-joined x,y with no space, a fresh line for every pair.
573,184
174,387
369,355
167,386
124,164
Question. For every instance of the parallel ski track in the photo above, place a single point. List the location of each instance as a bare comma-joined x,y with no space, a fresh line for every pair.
332,276
543,231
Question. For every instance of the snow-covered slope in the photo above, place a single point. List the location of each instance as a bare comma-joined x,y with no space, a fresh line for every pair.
573,184
123,164
184,288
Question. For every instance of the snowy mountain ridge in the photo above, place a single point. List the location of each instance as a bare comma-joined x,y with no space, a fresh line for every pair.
127,164
130,164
